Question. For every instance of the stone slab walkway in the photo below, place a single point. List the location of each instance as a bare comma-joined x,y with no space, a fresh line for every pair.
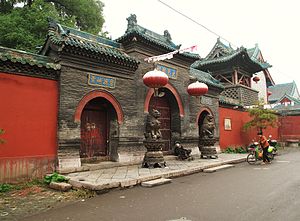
131,175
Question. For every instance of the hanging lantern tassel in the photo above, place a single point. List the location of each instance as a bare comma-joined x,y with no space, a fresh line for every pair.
197,89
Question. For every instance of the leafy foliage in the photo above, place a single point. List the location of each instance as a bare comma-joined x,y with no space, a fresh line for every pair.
55,177
235,150
261,118
4,187
25,27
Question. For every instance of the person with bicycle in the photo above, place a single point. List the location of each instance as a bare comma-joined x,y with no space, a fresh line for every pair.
264,145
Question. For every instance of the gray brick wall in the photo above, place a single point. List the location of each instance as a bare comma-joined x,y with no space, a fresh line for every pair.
130,92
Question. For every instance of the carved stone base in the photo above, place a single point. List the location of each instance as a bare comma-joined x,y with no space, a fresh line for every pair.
209,152
154,157
207,148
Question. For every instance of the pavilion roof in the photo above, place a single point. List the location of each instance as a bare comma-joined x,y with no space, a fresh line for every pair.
223,55
164,41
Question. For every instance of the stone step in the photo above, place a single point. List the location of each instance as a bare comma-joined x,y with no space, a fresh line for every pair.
156,182
214,169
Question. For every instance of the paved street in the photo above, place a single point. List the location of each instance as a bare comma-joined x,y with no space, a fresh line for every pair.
245,192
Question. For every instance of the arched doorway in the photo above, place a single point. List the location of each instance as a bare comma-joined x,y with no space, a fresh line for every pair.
169,119
95,128
200,118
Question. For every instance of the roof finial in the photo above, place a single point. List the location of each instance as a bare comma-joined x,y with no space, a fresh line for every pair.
167,35
132,22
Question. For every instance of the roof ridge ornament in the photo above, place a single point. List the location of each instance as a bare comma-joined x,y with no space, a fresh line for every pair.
167,35
132,22
55,26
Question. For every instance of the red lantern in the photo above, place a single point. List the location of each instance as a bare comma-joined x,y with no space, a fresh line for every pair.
155,79
269,93
197,89
256,79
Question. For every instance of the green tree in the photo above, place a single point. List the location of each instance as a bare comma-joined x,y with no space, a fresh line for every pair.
261,118
25,27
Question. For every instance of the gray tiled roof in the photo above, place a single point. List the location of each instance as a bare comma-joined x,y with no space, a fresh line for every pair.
279,90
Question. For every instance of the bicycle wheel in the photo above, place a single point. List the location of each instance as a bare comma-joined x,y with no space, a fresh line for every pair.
251,159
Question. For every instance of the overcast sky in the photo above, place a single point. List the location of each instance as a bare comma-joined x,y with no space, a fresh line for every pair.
273,24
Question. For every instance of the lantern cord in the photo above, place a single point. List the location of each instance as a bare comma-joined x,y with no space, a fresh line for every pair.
189,18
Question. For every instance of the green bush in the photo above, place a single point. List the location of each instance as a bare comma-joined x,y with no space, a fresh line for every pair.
235,150
55,177
4,187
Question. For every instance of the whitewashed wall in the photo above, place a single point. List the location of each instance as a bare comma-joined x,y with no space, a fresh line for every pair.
260,86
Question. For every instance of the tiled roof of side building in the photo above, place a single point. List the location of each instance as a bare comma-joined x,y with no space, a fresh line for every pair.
164,41
293,99
206,78
239,52
222,53
279,90
23,57
62,35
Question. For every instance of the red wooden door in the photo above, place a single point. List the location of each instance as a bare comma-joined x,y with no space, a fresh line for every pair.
93,133
162,105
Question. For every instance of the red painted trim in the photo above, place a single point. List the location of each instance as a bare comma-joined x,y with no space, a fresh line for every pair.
174,92
98,93
201,110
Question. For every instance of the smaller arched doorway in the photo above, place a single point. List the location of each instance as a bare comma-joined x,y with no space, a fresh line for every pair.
99,114
96,119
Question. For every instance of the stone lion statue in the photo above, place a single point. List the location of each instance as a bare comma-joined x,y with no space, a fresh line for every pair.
208,127
153,126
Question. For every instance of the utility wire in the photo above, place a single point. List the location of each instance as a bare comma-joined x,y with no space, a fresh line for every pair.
189,18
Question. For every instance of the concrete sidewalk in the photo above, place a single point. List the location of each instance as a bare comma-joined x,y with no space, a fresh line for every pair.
131,175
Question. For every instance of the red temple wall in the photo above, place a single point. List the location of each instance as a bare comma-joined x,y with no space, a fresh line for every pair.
29,118
237,137
289,127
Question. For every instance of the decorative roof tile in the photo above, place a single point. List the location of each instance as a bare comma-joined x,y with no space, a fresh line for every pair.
13,55
206,78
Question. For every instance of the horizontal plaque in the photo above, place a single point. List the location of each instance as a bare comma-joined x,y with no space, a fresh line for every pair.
171,72
100,80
